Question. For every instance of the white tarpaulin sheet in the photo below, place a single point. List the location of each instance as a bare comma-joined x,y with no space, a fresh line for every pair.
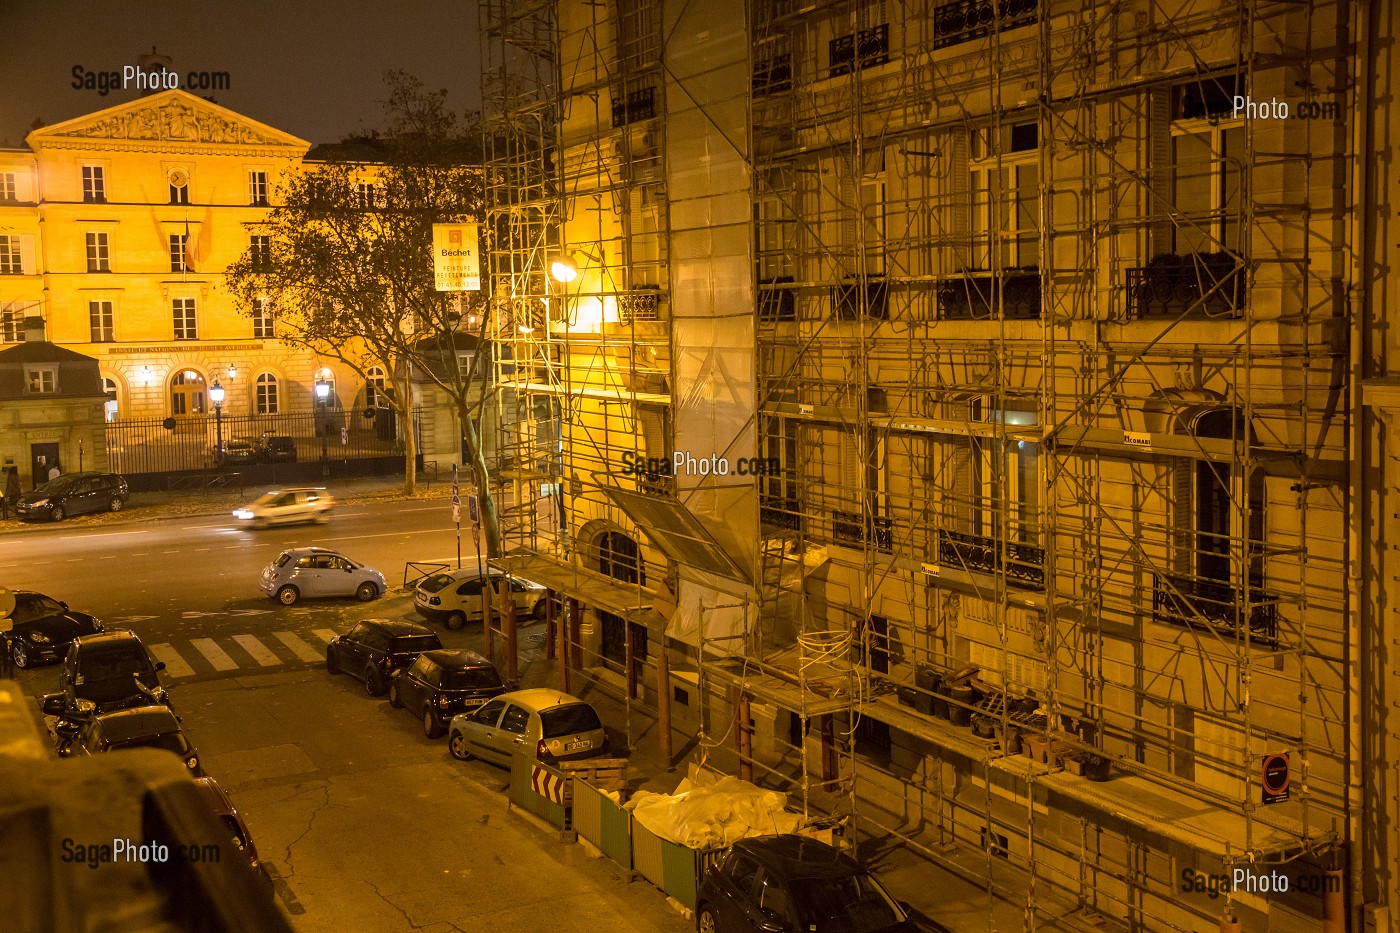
709,810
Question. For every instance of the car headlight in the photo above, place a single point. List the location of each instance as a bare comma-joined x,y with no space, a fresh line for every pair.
39,503
39,638
242,513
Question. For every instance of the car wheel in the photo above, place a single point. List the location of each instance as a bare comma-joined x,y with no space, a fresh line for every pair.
430,725
287,595
705,919
20,654
457,745
542,610
455,620
321,518
259,524
115,504
366,592
57,513
394,696
374,681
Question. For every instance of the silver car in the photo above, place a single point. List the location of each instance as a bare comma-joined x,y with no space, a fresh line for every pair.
454,597
286,506
315,571
540,723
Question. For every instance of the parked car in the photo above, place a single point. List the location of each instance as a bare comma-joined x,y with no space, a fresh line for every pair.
44,628
73,494
443,683
546,724
110,671
375,648
277,448
315,571
453,597
237,450
287,506
229,818
788,882
140,727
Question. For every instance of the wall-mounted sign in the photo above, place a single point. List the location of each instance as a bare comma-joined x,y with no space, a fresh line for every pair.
1273,784
456,264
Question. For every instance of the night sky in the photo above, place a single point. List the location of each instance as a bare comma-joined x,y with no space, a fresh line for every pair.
310,67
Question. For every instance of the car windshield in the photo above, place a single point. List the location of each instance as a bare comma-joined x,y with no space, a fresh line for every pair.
566,720
170,741
473,678
416,644
435,582
35,607
58,485
113,664
239,445
854,904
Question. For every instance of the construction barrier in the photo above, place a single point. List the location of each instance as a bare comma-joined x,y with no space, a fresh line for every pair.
670,866
603,823
539,789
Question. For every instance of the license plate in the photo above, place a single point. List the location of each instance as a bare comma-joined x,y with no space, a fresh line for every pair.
575,746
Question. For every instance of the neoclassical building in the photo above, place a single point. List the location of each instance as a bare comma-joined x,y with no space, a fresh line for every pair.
116,228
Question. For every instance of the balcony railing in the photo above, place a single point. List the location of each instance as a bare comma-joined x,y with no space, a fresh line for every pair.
1024,563
637,105
978,296
1210,284
850,528
780,513
639,304
964,20
1192,602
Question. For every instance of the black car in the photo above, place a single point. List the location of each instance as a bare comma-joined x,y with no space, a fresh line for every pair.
73,494
44,628
277,448
441,684
140,727
237,450
773,883
110,671
375,648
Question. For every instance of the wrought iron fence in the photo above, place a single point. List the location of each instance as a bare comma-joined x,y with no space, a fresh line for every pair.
1195,602
1023,563
164,445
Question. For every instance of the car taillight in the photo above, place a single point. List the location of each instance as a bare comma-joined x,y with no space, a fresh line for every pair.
443,701
434,601
542,749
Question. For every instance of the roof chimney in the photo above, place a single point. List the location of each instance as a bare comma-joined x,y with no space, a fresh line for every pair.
33,329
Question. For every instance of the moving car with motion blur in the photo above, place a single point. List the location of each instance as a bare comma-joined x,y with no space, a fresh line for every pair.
374,649
287,507
316,571
73,494
44,627
792,883
546,724
443,683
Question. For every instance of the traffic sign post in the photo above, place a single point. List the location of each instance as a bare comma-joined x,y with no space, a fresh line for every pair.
457,514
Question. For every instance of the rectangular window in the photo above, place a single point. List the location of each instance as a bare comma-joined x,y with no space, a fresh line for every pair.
1004,163
41,380
7,187
179,194
99,254
94,184
100,319
260,253
184,315
369,197
11,322
178,244
257,189
262,319
10,261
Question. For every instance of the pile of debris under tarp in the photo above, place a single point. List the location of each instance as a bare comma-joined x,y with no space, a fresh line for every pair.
709,809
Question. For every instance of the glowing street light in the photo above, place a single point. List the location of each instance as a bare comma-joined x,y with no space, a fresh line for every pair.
216,395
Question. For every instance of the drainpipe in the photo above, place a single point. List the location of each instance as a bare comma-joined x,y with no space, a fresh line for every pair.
741,722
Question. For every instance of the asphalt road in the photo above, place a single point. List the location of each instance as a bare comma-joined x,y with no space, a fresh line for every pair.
364,822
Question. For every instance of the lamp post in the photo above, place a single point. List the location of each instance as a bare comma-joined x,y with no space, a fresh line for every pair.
216,395
323,392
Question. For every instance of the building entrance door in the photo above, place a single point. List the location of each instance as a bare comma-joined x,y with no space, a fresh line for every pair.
42,457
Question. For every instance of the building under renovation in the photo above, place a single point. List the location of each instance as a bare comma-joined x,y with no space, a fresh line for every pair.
950,413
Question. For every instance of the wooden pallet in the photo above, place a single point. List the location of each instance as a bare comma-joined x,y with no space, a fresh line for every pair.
603,773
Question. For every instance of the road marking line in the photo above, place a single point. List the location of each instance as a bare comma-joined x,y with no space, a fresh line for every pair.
259,652
101,534
214,654
392,534
175,665
298,647
326,635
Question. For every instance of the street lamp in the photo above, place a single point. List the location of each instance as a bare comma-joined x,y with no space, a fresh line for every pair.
216,395
323,392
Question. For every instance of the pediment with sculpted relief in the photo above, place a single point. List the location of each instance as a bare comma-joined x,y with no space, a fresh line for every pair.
169,117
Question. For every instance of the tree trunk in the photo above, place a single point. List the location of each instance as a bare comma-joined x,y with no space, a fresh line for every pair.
486,502
410,437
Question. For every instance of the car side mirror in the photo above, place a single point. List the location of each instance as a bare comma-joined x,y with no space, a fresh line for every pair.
771,921
64,605
54,704
160,665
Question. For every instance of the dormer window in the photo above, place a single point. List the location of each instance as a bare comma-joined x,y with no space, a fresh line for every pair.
41,380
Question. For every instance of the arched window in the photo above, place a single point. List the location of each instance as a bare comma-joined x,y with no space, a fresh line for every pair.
374,387
109,407
265,394
187,393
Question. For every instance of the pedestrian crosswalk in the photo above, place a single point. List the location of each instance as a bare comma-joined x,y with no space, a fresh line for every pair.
247,652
